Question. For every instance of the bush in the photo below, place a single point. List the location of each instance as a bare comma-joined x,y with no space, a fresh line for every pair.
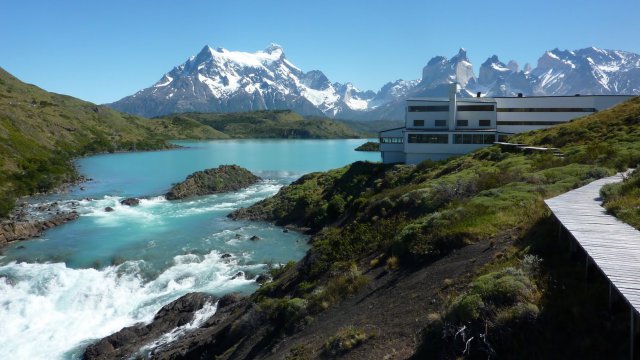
7,202
345,340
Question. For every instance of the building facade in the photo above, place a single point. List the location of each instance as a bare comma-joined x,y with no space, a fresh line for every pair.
438,128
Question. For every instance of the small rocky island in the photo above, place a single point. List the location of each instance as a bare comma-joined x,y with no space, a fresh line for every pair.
210,181
369,146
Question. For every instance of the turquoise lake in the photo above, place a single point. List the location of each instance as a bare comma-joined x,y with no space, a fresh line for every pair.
106,270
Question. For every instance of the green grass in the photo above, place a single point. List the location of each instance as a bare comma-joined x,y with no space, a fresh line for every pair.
623,199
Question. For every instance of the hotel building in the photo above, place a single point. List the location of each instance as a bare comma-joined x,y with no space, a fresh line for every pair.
438,128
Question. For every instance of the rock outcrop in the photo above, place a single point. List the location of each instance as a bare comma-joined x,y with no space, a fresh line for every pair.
211,181
130,339
13,230
225,327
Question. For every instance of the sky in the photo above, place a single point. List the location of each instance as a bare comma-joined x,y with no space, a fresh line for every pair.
101,51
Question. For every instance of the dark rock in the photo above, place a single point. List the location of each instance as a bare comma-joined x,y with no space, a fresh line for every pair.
285,230
222,179
238,275
263,279
225,256
21,247
229,299
254,238
130,202
130,339
238,236
108,209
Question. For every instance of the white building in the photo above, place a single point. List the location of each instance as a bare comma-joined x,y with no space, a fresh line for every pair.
438,128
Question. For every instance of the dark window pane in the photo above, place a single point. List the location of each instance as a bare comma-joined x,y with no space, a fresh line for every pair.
418,122
462,123
475,107
484,122
440,123
429,108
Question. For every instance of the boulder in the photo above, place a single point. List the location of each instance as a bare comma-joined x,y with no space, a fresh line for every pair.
211,181
130,202
108,209
254,238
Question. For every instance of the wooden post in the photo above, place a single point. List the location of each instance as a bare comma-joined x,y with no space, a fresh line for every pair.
631,335
610,301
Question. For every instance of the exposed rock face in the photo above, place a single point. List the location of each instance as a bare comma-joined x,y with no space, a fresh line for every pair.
22,230
211,181
130,339
225,327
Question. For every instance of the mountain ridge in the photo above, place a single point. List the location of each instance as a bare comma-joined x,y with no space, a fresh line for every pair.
220,80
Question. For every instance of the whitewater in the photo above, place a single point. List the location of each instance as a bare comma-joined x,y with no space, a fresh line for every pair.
106,270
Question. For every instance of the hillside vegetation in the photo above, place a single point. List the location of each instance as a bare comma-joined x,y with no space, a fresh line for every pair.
623,199
40,132
284,124
527,300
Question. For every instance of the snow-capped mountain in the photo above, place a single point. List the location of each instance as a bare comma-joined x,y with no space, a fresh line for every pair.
219,80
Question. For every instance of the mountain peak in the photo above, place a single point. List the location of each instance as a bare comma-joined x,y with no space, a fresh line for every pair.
460,56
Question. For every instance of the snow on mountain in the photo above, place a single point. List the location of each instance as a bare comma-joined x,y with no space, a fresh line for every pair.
220,80
225,81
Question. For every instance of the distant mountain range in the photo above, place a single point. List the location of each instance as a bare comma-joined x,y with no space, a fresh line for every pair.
219,80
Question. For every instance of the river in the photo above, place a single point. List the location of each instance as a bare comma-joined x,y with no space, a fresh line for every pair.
106,270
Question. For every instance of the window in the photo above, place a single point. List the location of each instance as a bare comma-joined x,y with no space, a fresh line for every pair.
475,108
474,138
429,108
440,123
534,123
391,140
462,123
418,122
428,138
547,110
484,122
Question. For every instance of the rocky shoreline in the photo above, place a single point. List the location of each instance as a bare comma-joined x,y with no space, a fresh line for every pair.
25,223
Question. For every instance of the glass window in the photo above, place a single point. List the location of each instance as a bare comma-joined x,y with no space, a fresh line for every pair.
475,107
391,140
462,123
429,108
484,122
441,123
474,138
428,138
529,123
418,122
547,110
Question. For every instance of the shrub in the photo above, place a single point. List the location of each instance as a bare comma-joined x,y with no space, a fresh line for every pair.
466,308
345,340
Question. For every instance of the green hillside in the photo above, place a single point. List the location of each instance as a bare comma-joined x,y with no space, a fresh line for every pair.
268,124
525,294
40,132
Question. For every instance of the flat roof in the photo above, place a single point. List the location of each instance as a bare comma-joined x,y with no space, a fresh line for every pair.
489,98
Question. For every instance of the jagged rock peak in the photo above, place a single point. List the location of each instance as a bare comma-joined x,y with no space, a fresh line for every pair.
460,56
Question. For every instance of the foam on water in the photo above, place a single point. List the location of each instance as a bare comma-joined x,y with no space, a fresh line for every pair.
63,308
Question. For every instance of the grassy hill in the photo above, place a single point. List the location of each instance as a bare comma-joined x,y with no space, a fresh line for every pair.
267,124
40,132
452,250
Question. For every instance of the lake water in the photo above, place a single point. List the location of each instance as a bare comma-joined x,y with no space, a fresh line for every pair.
89,278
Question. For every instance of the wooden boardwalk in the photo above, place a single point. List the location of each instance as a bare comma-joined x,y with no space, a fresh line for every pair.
613,246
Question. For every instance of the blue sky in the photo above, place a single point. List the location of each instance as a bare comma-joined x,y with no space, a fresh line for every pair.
102,51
